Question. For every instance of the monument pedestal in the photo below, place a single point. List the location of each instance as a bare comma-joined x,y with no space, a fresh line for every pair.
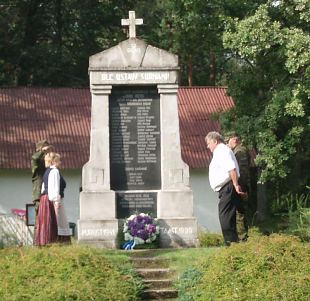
96,205
178,227
101,233
178,232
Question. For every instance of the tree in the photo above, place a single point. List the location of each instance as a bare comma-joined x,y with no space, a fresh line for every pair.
48,43
270,83
193,30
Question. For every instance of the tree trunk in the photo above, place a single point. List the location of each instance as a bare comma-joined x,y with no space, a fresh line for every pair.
190,70
262,202
58,9
29,39
212,76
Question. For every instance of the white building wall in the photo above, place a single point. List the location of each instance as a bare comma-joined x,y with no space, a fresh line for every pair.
205,201
15,192
16,187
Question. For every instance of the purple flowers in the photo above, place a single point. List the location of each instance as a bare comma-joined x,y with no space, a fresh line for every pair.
142,228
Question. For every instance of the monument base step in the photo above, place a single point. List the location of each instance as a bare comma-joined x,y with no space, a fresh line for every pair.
157,284
150,262
154,273
159,294
106,244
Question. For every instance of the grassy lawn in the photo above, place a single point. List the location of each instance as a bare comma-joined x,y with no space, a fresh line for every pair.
274,267
182,259
64,273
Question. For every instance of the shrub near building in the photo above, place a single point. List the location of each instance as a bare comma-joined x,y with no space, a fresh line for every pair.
65,273
265,268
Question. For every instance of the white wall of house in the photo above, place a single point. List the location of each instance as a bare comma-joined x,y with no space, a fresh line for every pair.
205,201
15,192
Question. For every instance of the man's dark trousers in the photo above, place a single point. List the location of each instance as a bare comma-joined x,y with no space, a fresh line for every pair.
229,202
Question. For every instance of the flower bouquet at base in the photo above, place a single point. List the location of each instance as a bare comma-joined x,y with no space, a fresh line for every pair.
141,231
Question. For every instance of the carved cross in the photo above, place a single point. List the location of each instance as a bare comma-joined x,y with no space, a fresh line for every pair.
132,22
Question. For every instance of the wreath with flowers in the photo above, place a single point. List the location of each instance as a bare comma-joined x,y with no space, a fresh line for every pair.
140,229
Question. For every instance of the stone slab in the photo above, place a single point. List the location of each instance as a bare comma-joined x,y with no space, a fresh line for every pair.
133,53
133,77
99,232
178,232
175,204
97,205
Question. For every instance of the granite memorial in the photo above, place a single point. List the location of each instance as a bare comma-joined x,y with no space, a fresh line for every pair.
135,162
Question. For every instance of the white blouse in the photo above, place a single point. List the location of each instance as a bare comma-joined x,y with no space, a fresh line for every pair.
53,184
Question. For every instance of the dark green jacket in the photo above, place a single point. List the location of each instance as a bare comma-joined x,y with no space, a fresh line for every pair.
38,169
243,159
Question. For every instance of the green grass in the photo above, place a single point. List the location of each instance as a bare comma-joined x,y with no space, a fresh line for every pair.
66,273
182,259
265,268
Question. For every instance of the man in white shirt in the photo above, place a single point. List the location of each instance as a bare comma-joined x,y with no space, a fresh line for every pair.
223,177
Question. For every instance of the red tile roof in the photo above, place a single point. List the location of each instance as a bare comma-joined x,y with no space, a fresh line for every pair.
62,116
197,107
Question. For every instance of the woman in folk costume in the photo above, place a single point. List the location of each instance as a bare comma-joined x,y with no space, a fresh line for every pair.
53,188
46,223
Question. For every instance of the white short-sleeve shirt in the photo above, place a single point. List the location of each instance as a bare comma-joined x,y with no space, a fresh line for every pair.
222,163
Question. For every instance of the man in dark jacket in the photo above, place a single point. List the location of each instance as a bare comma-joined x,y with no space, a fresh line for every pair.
38,168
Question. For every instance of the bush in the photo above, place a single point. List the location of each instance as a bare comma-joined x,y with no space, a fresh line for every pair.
291,202
295,214
188,281
207,239
264,268
65,273
299,223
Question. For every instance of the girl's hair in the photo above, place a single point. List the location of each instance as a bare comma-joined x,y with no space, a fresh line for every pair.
50,158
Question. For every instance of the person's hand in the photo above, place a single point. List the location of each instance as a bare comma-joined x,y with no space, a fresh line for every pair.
244,195
57,205
240,192
46,148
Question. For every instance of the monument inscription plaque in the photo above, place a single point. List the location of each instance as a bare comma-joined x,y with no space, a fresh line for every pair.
135,149
132,202
135,139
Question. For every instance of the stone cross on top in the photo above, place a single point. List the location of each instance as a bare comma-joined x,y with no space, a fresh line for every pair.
132,22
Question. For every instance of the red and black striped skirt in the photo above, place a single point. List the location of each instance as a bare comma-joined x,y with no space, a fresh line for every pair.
46,223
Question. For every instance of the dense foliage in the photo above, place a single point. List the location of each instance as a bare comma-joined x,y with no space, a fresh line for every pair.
65,273
193,30
270,83
265,268
48,43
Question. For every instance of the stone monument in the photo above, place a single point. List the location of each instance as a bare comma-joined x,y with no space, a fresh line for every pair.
135,162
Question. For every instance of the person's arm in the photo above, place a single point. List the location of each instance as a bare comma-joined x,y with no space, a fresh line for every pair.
35,161
234,178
